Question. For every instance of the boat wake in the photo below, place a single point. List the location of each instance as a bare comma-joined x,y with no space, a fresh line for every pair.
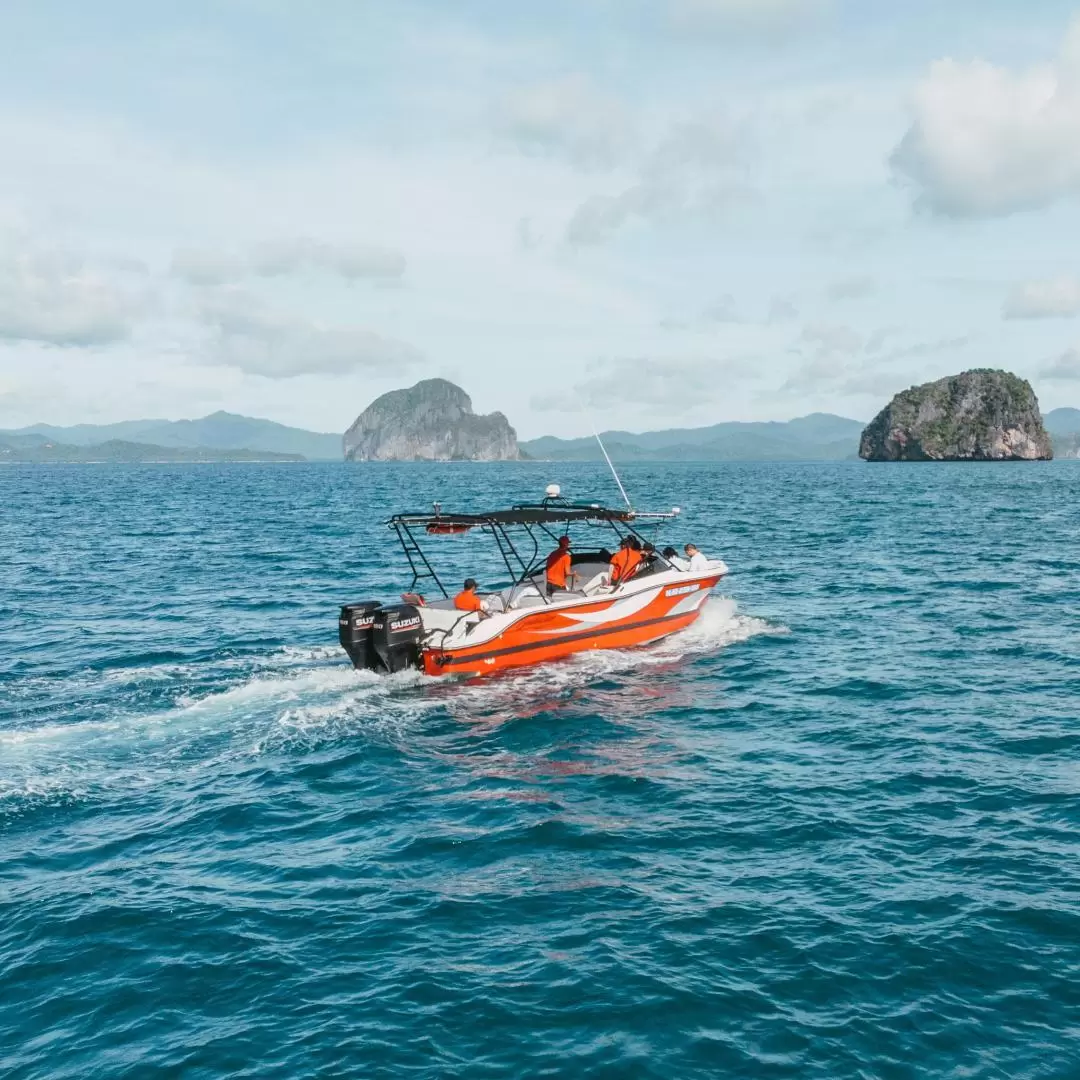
296,699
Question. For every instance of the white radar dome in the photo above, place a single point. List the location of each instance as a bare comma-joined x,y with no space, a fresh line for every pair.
552,491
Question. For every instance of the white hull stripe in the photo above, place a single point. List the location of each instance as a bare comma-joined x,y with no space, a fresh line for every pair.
621,609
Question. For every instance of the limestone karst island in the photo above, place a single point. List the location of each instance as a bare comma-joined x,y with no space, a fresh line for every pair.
977,415
431,421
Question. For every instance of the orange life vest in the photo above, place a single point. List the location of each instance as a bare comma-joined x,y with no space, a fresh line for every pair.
623,564
558,568
468,601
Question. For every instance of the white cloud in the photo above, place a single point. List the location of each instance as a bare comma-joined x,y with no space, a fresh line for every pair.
207,266
986,140
817,374
598,218
567,117
710,142
350,261
1056,298
832,340
827,361
248,335
876,341
57,299
782,309
527,237
840,366
648,381
724,309
1066,368
686,167
293,255
852,288
922,348
723,17
695,169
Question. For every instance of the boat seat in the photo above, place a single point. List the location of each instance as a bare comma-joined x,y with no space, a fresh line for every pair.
519,596
441,605
595,583
439,617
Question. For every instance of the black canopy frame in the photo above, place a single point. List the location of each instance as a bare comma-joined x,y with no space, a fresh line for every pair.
530,517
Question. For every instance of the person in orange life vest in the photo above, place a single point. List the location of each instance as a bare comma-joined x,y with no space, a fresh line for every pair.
618,560
467,600
558,568
626,560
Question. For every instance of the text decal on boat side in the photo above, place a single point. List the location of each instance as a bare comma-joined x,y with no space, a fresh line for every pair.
682,590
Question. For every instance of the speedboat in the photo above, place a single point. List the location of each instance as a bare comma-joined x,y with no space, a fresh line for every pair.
523,624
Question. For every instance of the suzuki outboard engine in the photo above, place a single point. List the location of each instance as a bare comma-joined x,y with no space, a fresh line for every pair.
396,634
356,627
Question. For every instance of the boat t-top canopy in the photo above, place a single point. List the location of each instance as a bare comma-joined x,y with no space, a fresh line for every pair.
542,516
549,512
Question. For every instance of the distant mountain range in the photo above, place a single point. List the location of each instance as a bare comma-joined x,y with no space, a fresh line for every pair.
219,431
1062,421
226,436
817,437
1064,428
41,449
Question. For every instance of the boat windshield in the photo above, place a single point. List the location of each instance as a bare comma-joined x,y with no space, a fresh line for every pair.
523,535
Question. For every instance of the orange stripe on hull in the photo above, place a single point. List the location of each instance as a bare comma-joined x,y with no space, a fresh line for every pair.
528,645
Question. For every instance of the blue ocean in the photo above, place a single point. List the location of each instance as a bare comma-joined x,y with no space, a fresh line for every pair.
832,830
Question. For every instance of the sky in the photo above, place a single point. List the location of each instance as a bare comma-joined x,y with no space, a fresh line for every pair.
622,213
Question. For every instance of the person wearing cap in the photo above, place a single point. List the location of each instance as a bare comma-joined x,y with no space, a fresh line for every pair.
558,571
467,600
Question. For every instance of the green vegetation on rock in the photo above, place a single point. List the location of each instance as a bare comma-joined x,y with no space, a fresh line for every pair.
980,415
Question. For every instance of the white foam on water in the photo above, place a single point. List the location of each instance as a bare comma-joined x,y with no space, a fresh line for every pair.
718,626
288,656
258,689
383,704
298,695
527,690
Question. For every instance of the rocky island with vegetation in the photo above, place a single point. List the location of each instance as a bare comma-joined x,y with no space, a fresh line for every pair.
980,415
431,421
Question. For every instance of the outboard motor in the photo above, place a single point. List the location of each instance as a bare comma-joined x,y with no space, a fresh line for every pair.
356,627
396,634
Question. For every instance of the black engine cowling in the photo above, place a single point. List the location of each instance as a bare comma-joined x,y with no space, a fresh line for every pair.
396,637
356,631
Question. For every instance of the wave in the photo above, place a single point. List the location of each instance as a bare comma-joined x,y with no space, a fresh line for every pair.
300,696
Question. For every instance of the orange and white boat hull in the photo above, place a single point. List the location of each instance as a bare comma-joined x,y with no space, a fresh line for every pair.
636,614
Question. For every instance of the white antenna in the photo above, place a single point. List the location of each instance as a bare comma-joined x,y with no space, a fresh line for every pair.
603,450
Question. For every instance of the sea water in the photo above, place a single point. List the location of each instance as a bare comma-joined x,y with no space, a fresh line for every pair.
830,831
